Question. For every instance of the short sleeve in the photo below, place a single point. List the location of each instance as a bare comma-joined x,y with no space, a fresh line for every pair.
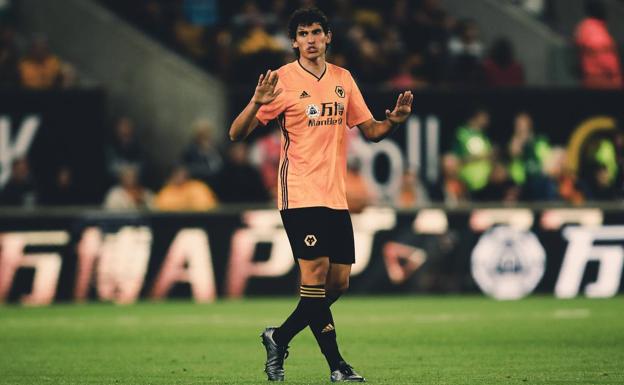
270,111
357,110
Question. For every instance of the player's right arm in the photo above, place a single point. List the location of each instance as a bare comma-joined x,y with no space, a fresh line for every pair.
265,93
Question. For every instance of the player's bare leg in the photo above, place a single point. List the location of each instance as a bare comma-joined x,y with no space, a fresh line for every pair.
337,281
314,272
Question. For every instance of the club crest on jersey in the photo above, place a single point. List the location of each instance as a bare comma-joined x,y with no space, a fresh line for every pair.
310,240
313,111
340,91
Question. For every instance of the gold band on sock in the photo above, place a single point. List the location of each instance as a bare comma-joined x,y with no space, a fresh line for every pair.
311,292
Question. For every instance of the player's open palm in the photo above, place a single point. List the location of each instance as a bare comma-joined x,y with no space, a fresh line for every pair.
402,109
265,90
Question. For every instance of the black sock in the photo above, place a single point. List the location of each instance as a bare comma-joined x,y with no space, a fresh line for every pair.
302,315
323,327
332,296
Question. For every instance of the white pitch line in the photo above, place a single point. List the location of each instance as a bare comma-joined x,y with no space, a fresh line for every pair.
571,313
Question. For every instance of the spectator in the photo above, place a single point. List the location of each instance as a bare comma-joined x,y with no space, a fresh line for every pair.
365,52
500,187
358,193
563,182
255,46
9,74
64,191
191,39
600,64
600,169
202,12
124,150
450,189
601,186
474,149
201,157
466,51
257,40
619,151
129,194
265,156
190,33
240,182
249,14
528,152
412,192
40,69
605,155
428,33
20,189
501,68
341,22
184,194
410,74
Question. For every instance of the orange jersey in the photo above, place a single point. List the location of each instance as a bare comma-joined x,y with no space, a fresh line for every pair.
313,114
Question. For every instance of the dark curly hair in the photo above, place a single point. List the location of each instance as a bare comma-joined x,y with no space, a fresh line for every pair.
306,17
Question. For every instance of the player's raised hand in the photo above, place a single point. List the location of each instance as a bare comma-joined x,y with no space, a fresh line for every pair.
402,109
265,90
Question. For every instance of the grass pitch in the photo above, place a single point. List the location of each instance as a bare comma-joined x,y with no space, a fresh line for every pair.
390,340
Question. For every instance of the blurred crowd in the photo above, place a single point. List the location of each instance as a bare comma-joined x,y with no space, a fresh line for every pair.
370,37
29,63
203,177
529,168
475,169
599,59
396,44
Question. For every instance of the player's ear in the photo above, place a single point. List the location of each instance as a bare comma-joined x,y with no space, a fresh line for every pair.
329,36
295,44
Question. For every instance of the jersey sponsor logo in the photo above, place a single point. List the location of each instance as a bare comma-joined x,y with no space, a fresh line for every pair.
330,113
508,263
310,240
340,91
304,95
313,111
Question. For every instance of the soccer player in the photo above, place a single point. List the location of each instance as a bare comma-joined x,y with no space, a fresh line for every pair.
314,102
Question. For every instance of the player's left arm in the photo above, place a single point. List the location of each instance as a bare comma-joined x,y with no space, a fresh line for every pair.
375,130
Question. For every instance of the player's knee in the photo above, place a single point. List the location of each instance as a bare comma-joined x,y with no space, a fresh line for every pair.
315,272
319,273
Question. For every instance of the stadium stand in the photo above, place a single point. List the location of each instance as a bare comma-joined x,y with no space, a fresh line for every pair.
139,237
429,45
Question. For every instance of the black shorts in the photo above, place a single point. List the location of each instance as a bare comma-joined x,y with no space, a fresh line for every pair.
316,232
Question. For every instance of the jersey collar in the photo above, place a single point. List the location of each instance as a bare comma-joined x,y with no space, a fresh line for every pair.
318,78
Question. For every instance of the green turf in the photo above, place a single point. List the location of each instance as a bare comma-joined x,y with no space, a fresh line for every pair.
390,340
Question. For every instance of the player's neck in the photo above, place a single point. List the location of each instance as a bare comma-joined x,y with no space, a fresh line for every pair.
315,66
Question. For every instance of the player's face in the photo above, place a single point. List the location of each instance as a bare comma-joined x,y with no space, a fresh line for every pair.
311,41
